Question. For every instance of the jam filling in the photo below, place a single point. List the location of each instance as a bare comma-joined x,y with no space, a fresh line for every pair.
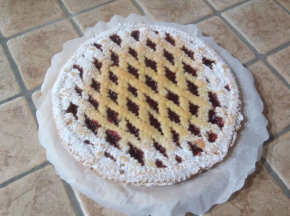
173,97
113,96
212,137
151,83
114,58
170,75
155,123
160,164
72,109
173,116
133,130
113,138
150,44
113,78
175,137
108,155
116,39
97,64
135,35
188,52
78,90
98,46
160,148
133,53
193,109
96,85
208,62
133,90
133,71
156,32
93,102
213,99
194,130
192,88
153,104
195,149
151,64
92,125
214,119
169,39
136,154
178,159
188,69
88,142
112,116
168,56
227,87
133,107
80,69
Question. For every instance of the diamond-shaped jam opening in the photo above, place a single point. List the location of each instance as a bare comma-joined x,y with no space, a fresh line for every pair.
133,71
112,116
151,83
136,153
87,142
155,123
98,46
168,56
78,90
133,53
113,96
135,35
114,58
133,107
173,116
93,102
213,99
188,52
97,64
193,109
160,148
173,97
153,104
133,130
72,109
212,137
133,90
80,69
192,88
175,138
208,62
151,64
214,119
113,77
194,130
93,125
170,75
195,149
160,164
113,138
178,159
96,85
150,44
116,39
156,32
188,69
108,155
227,87
169,39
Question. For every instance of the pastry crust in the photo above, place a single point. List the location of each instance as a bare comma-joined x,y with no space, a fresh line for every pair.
146,104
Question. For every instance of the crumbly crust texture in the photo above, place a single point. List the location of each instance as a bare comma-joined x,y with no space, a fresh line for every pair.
146,104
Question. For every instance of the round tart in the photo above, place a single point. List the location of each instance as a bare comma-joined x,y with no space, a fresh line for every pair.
146,104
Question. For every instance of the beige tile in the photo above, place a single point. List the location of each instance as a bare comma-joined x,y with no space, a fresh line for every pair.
8,84
20,150
33,51
277,154
92,208
262,22
182,12
36,95
40,193
285,3
276,97
216,28
281,62
259,196
18,16
105,13
75,6
223,4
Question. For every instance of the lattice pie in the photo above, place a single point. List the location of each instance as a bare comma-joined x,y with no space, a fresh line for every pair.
146,104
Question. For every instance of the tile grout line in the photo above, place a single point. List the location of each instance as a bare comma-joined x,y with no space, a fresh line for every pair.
138,6
278,3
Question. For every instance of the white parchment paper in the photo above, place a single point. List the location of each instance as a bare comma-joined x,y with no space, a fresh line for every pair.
196,195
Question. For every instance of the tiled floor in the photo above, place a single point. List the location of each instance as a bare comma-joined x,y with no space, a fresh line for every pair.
256,32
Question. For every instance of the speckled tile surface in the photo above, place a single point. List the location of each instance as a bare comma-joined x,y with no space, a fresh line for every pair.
223,4
75,6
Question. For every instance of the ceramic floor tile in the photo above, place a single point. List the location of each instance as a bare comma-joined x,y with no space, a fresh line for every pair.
8,84
182,12
18,16
281,62
105,13
223,4
277,154
75,6
20,150
40,193
262,22
285,3
276,97
33,51
259,196
216,28
92,208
